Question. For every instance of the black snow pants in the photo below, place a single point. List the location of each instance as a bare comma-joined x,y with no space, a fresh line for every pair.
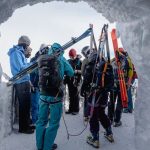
99,115
24,98
73,98
115,106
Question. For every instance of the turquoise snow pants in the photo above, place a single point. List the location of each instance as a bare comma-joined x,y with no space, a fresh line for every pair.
46,134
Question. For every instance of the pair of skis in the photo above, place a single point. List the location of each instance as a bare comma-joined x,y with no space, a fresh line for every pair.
100,53
34,66
122,84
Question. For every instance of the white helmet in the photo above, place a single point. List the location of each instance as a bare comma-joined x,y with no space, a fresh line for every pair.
86,51
43,47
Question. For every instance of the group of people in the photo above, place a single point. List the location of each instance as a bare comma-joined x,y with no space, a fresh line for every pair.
40,94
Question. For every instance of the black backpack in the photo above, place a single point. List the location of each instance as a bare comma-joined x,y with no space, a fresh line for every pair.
105,76
49,74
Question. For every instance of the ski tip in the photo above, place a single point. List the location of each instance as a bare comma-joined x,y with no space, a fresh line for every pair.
113,30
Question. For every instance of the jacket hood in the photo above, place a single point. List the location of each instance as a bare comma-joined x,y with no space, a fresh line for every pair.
56,47
14,48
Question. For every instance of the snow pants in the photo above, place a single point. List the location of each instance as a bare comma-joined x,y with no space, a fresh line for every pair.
24,98
48,112
130,102
73,98
99,115
115,112
35,96
86,109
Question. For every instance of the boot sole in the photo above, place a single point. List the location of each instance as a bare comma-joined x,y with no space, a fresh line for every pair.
92,144
109,139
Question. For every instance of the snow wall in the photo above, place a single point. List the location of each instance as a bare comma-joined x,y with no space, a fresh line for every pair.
5,110
133,23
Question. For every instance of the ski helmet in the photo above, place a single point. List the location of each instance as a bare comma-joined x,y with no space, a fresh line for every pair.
43,49
72,53
86,51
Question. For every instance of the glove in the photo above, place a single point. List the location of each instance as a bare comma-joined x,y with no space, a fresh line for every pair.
66,80
77,71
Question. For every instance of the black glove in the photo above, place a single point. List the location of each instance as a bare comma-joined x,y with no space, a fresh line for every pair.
66,80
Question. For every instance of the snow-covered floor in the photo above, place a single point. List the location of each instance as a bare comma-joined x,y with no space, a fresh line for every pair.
124,136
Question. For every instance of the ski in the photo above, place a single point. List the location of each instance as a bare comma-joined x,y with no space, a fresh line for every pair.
102,41
107,43
122,83
34,66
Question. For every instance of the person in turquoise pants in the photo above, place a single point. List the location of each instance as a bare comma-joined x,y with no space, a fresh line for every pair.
51,103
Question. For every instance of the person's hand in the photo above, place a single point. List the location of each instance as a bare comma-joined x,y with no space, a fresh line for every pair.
77,71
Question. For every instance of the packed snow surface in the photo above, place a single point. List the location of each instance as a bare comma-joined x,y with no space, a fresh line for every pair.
124,136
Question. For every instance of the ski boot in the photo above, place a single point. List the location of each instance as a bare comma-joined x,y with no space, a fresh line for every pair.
117,124
109,135
125,110
86,119
54,146
93,141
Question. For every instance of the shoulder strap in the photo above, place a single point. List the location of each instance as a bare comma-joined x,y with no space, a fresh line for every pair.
103,73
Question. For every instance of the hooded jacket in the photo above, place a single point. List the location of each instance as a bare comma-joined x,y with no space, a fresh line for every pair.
18,62
64,69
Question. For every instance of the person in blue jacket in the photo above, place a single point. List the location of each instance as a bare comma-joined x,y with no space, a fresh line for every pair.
50,96
18,55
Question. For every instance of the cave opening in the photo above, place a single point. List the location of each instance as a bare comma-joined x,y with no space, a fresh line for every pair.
63,25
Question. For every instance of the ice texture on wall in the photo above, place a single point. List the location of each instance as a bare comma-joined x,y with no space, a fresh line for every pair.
5,109
132,17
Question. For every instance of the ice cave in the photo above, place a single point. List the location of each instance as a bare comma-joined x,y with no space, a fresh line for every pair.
133,24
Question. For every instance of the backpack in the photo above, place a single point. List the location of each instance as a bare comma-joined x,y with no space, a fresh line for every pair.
105,76
49,74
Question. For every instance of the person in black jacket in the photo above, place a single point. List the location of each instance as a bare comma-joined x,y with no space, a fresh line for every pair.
73,83
98,89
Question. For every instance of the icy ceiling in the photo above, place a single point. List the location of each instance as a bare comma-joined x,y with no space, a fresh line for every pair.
132,17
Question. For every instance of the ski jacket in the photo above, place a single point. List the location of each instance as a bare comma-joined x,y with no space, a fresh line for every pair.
129,69
126,66
76,65
18,62
84,64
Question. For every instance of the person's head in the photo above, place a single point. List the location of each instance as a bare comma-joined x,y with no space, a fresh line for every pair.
72,54
24,41
27,52
43,49
86,51
122,51
56,47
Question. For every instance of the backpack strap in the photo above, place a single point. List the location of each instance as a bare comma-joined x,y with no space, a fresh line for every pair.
103,73
50,103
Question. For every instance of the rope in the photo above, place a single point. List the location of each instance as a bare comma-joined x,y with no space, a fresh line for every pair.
70,134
